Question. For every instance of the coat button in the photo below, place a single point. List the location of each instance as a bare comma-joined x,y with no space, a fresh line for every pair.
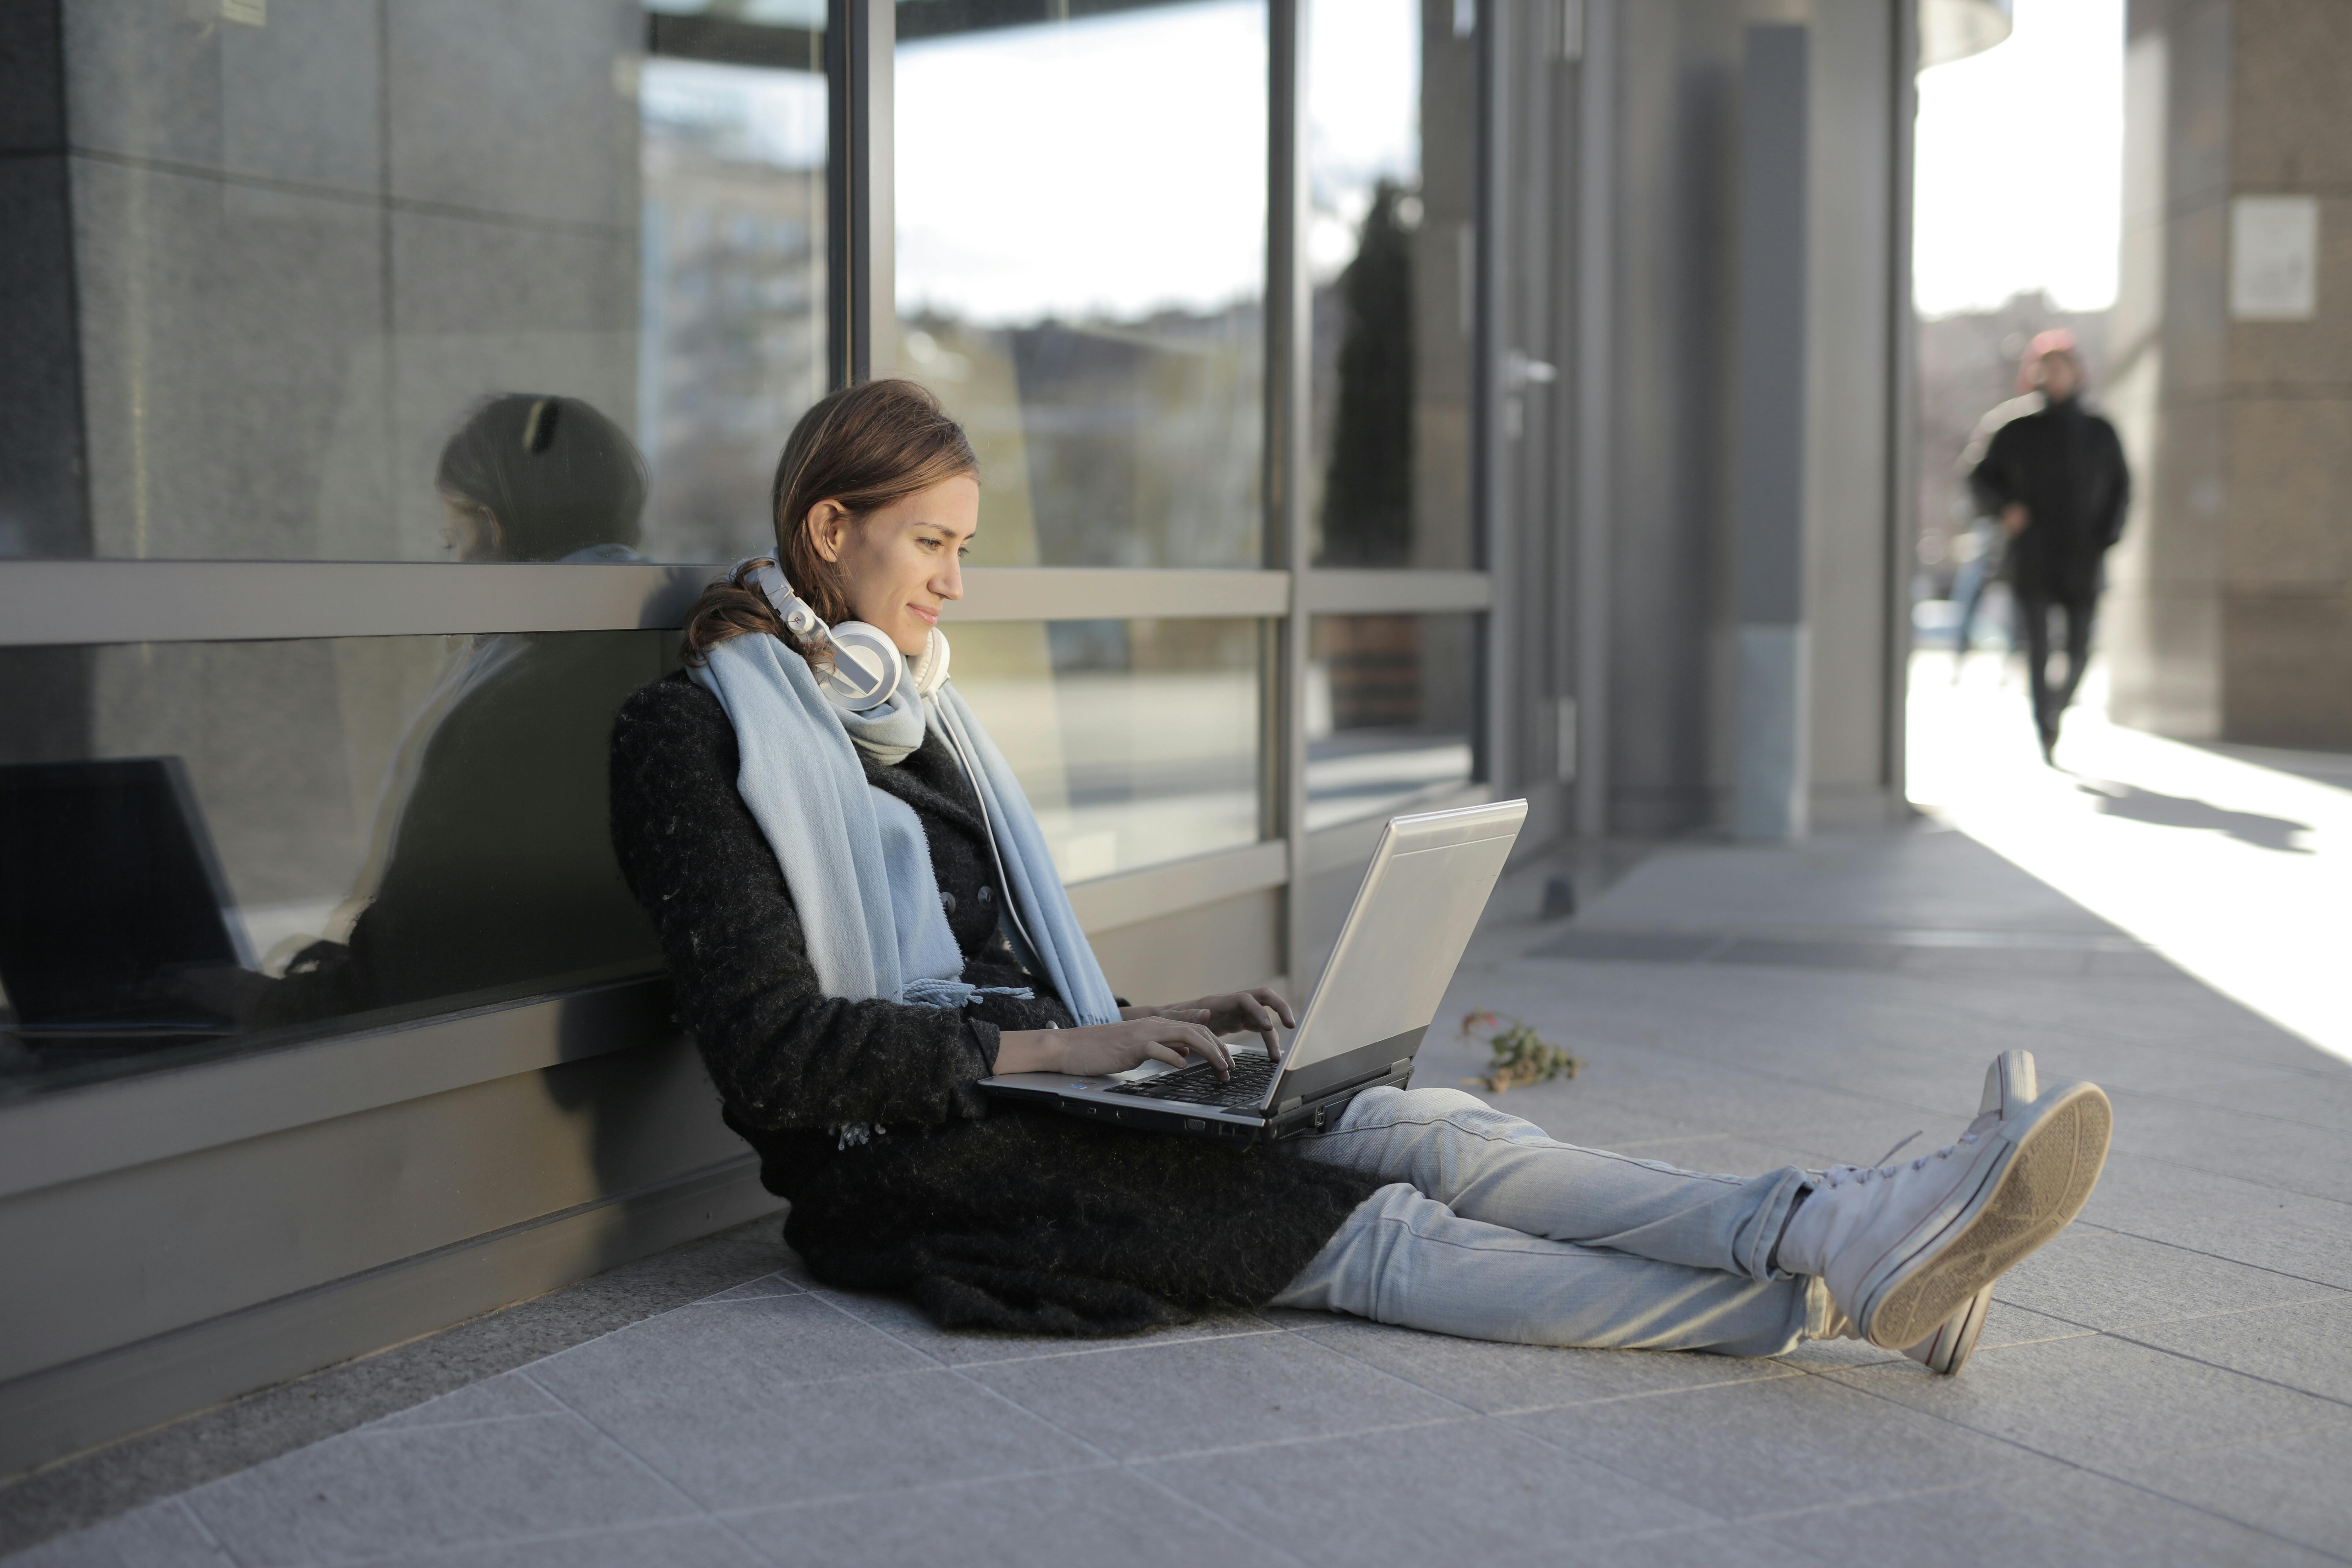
947,901
987,894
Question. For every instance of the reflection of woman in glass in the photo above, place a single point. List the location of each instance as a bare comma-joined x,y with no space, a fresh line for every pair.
487,865
531,478
836,859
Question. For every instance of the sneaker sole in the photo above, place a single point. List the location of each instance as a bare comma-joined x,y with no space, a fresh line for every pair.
2032,1196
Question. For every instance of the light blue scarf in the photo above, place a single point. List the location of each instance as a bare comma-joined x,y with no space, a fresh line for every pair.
856,857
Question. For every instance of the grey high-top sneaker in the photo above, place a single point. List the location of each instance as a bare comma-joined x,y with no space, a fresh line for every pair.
2010,1081
1905,1246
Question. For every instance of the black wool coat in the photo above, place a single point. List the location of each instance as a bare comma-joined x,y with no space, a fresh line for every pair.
2066,466
987,1214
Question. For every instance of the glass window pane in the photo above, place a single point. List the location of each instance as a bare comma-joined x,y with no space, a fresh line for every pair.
1081,253
1390,712
204,846
305,250
1137,742
734,291
1390,166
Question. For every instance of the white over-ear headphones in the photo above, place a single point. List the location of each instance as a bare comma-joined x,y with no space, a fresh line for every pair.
866,666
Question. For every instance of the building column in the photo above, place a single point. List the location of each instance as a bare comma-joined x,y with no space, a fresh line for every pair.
1771,765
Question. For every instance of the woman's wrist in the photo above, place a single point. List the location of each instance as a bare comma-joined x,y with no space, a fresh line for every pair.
1028,1050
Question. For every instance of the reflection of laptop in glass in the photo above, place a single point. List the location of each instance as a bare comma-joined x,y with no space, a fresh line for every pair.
108,883
1420,900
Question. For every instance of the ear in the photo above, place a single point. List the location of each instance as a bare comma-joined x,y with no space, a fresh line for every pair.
828,525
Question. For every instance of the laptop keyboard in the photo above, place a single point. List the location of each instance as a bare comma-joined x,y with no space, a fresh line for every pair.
1199,1084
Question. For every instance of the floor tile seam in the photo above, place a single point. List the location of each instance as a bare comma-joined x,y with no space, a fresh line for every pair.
831,1301
1077,1348
740,1512
598,1339
2190,1448
694,1508
1904,1494
2232,1370
1140,1471
1603,1462
2223,1256
530,1538
1267,1445
2334,1554
1782,1375
2089,1330
2305,1204
2324,1285
2122,1329
2084,1466
179,1500
1388,1372
2172,1098
1046,1421
1126,1466
2316,1198
377,1429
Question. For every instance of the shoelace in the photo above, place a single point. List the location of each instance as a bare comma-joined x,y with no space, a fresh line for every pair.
1838,1175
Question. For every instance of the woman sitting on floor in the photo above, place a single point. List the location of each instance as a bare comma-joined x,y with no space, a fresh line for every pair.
830,877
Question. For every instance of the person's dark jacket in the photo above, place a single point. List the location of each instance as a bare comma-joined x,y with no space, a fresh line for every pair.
988,1216
2066,468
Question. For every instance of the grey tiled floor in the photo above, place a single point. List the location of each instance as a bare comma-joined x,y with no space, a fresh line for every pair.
2167,1382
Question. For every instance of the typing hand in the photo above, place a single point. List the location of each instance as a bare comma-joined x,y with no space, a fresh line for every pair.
1256,1011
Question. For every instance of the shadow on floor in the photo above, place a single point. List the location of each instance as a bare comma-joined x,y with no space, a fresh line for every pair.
2164,810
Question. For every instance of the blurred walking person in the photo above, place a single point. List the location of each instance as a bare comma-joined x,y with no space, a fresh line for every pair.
2056,481
1981,549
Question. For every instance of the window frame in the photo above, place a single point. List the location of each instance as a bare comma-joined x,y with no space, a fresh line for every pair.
97,602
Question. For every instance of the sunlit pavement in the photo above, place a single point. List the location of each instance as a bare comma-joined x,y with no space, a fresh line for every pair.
2240,873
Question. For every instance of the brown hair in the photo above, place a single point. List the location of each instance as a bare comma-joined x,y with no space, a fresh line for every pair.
864,446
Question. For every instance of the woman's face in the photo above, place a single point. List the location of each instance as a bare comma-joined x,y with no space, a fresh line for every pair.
900,562
471,530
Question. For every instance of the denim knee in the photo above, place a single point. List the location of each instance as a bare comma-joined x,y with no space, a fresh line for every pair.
1387,1104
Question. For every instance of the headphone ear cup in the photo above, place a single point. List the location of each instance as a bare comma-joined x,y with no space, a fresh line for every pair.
931,664
866,667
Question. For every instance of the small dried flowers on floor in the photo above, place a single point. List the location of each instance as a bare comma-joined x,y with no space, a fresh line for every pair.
1520,1056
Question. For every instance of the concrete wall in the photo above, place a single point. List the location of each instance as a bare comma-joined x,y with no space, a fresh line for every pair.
1848,533
1671,675
2231,611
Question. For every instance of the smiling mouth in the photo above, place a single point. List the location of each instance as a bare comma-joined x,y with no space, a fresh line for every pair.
928,617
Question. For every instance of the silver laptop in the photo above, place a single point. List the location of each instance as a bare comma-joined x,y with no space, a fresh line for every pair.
1420,900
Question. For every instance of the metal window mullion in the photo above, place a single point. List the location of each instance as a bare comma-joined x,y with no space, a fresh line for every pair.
1492,493
1902,414
860,43
65,602
1595,393
1289,318
1385,591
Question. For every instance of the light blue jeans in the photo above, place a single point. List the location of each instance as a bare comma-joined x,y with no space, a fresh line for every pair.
1491,1230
